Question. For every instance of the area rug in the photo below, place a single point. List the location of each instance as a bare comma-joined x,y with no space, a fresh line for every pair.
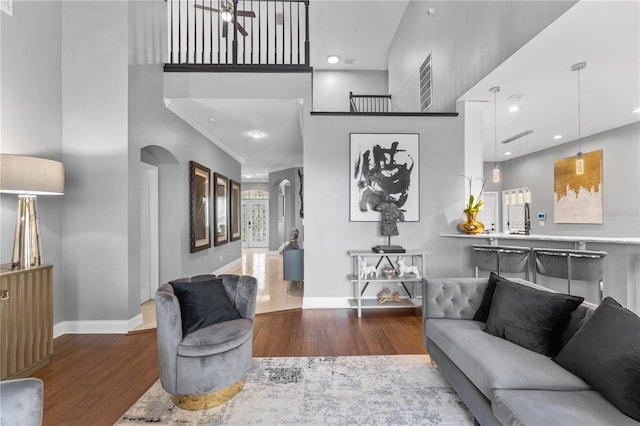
354,390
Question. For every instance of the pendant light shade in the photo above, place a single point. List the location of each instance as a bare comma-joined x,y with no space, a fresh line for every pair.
579,160
496,170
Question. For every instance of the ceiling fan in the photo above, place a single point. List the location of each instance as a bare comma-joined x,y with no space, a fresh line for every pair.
226,14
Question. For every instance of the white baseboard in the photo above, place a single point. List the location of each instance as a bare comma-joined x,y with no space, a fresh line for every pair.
325,303
96,327
225,268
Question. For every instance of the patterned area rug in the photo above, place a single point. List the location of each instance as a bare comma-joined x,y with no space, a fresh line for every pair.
363,390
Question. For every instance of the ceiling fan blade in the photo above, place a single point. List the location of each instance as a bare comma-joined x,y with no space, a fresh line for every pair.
247,13
199,6
241,30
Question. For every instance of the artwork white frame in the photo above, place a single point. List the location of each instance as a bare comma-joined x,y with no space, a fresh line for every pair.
6,6
399,154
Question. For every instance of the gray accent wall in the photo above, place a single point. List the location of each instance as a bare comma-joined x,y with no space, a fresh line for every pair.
329,233
620,176
292,207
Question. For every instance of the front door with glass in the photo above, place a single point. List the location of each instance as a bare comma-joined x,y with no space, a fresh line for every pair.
255,223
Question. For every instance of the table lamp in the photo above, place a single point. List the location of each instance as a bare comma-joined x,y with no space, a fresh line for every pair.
29,177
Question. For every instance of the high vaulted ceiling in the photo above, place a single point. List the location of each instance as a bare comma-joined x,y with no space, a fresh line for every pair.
604,34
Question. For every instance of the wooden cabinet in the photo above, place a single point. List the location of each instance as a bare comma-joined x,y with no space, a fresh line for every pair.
26,320
360,278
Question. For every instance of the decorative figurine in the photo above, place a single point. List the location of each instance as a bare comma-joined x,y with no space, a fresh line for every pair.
366,270
385,296
390,214
403,268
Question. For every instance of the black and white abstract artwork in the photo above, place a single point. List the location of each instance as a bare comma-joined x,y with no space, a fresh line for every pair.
384,169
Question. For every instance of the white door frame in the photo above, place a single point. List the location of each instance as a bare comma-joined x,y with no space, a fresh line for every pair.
247,240
149,246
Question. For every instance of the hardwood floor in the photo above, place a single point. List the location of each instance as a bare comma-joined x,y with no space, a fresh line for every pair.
94,379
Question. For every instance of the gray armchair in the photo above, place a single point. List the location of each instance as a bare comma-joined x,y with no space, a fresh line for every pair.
21,402
206,367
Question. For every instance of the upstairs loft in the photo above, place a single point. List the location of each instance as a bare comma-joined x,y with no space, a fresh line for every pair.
256,36
238,36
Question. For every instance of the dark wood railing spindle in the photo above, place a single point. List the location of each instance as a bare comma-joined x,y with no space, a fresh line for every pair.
265,43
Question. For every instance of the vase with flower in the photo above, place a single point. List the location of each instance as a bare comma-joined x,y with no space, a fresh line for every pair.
470,225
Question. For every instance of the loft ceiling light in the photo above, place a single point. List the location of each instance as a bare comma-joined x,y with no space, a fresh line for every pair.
496,170
333,59
514,108
256,134
556,137
579,161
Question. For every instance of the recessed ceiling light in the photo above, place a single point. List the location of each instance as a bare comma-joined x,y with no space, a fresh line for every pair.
507,153
515,97
514,108
212,120
256,134
637,110
333,59
556,137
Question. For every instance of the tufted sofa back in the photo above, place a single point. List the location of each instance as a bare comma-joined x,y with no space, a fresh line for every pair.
454,298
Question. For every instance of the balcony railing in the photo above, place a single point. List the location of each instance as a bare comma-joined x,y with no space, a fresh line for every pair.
369,103
238,32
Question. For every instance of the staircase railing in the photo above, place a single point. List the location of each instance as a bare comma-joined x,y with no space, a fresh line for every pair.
238,32
369,103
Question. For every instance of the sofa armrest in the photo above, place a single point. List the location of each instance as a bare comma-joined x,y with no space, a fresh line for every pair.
242,291
453,298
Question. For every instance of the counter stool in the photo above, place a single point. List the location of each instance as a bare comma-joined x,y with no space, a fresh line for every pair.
500,259
583,265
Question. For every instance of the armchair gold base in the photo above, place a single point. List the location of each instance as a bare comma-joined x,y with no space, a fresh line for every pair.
207,400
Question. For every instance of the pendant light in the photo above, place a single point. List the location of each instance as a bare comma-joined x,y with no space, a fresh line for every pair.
579,161
496,170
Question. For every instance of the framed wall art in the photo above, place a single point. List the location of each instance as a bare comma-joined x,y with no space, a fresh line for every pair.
199,195
234,211
578,198
384,170
220,209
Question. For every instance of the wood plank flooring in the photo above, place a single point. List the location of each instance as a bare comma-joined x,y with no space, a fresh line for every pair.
94,379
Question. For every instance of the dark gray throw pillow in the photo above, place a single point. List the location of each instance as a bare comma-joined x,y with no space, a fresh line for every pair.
534,319
605,353
203,303
485,306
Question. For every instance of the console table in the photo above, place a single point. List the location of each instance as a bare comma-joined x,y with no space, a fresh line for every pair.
26,320
414,257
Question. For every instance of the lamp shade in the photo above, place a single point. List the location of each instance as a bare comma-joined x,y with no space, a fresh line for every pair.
30,175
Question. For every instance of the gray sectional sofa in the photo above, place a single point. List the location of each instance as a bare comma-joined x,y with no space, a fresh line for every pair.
499,381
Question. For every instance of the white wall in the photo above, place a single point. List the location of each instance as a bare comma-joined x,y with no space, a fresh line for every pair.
31,117
467,39
331,88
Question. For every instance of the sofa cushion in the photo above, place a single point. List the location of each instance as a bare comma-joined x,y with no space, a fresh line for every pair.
485,306
605,352
216,338
203,303
534,319
494,363
543,408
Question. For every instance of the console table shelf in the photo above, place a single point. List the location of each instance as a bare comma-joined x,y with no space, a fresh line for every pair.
415,258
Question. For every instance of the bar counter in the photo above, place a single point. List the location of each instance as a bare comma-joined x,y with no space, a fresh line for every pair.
622,264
